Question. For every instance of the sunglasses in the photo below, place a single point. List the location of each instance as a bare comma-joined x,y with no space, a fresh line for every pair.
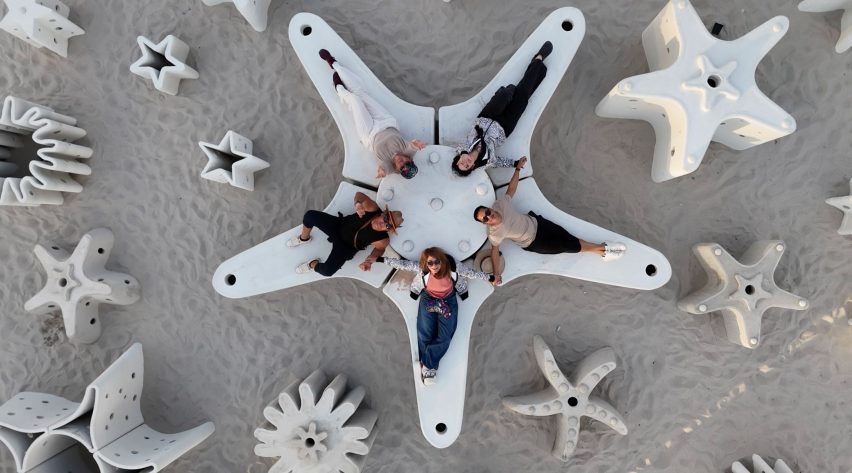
486,215
433,262
388,225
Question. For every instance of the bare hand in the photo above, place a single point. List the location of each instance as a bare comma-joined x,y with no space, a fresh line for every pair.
366,265
418,144
498,280
380,173
359,209
521,163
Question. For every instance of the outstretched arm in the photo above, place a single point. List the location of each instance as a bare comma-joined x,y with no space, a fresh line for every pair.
379,248
364,204
495,262
516,177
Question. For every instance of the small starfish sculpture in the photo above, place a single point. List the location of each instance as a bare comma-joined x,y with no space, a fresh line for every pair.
741,290
700,89
569,399
844,204
231,161
256,12
78,283
163,63
761,466
845,40
42,23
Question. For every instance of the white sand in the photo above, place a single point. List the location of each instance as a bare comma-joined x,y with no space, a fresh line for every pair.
693,402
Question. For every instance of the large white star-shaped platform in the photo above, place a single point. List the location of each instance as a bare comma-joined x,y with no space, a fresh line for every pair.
845,40
163,63
231,161
741,290
569,398
844,204
256,12
700,89
42,23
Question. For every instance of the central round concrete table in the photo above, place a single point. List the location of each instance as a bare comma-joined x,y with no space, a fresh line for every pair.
437,206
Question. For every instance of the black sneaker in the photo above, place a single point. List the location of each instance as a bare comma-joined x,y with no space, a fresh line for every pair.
327,57
337,81
545,50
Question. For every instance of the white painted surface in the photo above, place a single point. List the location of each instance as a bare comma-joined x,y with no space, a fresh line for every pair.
845,40
761,466
843,204
41,23
231,161
256,12
165,76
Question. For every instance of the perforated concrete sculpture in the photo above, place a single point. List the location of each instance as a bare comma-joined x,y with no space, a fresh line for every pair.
256,12
48,434
231,161
41,23
700,89
317,427
569,399
78,283
844,204
741,290
761,466
845,40
163,63
56,162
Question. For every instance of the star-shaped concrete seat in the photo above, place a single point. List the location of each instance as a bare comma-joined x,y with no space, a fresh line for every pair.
843,204
700,89
845,40
761,466
256,12
41,23
231,161
164,63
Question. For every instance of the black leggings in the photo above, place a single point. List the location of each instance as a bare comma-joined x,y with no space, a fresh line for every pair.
551,239
341,252
508,104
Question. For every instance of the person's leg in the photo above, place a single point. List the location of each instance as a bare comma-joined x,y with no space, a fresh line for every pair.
351,80
587,247
533,76
370,116
340,254
427,328
360,114
325,222
498,102
446,330
551,239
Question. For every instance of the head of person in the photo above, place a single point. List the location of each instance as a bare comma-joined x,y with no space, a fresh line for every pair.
404,165
487,215
435,262
463,164
387,221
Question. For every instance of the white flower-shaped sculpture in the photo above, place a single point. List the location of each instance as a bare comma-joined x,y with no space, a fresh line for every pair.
434,216
42,23
78,283
318,427
741,290
761,466
163,63
845,40
256,12
47,433
844,204
569,399
231,161
52,168
700,89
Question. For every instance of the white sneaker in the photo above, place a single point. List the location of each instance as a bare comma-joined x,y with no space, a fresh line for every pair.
614,251
296,241
427,375
304,267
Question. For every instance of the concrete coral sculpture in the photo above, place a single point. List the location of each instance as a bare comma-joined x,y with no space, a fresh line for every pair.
55,163
256,12
761,466
105,432
41,23
741,290
845,40
569,398
78,283
231,161
844,204
163,63
700,89
317,427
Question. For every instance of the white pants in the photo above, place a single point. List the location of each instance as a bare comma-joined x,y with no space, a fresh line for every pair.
369,116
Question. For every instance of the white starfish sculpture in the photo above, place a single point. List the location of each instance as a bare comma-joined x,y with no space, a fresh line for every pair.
256,12
844,204
78,283
163,63
569,399
700,89
423,199
52,168
761,466
845,40
231,161
41,23
317,427
741,290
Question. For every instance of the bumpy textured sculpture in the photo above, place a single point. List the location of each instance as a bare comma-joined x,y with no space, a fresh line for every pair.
231,161
256,12
741,290
47,433
569,399
51,171
164,63
78,283
845,40
844,204
700,89
319,427
42,23
761,466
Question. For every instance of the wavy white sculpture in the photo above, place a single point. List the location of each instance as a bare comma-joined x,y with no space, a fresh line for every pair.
700,89
569,399
163,63
317,427
256,12
741,290
845,40
78,283
52,169
231,161
41,23
844,204
565,28
761,466
48,434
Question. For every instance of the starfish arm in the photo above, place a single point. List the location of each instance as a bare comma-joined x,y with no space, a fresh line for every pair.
760,41
785,300
819,6
845,40
606,414
38,304
593,368
566,438
547,364
532,404
758,120
713,259
844,204
94,249
49,258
